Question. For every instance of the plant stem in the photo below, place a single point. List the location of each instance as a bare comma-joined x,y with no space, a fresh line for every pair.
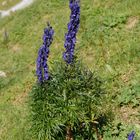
98,134
69,135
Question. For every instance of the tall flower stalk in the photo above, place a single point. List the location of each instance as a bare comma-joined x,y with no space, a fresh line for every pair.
73,26
43,53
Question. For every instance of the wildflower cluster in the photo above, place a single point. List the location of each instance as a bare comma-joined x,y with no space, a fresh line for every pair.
43,53
73,26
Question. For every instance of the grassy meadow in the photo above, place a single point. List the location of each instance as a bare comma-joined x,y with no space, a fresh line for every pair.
108,43
6,4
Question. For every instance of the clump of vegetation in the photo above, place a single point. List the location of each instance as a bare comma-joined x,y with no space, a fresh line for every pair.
67,102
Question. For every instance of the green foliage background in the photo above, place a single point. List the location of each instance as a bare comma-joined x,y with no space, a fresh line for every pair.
105,43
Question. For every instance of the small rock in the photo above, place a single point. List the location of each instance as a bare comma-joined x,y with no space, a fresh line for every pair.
2,74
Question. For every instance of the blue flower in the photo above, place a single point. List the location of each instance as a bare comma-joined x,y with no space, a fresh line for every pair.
73,26
131,136
43,53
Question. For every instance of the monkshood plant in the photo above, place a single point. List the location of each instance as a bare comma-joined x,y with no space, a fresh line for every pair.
69,105
82,96
67,102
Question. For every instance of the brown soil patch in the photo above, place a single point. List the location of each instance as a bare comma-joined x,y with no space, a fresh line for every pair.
132,22
126,77
21,98
129,115
16,48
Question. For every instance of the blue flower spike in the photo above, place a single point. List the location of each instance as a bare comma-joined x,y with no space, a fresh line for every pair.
131,136
73,26
43,54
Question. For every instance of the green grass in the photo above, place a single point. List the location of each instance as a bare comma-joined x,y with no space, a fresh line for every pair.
6,4
107,43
